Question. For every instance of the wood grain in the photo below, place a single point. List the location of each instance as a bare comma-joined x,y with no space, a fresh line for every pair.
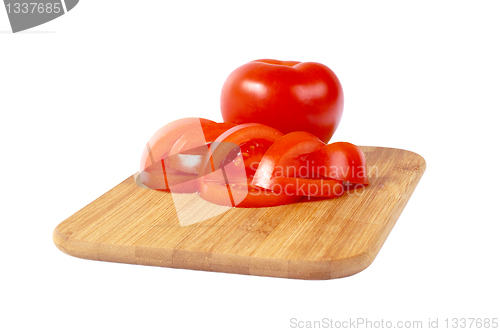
312,239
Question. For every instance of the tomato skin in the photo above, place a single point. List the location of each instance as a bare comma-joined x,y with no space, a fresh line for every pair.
188,151
243,195
229,144
286,95
283,158
176,174
228,169
195,137
188,161
340,160
161,177
283,170
160,144
249,131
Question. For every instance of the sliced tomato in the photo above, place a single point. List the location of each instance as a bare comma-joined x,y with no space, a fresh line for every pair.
341,161
233,160
187,152
242,195
160,144
161,177
188,161
282,167
249,131
195,137
285,158
243,146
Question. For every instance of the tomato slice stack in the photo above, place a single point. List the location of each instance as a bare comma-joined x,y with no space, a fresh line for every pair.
283,167
230,167
248,165
171,158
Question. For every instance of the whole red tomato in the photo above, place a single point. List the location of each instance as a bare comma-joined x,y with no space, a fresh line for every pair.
286,95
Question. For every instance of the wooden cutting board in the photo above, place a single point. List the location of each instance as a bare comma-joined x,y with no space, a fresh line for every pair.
312,239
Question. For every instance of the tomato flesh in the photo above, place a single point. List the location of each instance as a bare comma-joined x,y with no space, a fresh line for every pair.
199,137
161,177
283,168
248,142
188,161
252,152
187,152
284,157
160,144
341,161
234,158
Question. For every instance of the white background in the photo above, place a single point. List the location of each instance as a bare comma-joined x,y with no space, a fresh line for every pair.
81,95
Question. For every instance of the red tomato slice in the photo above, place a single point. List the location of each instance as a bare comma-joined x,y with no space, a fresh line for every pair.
188,161
249,131
285,158
242,195
196,137
232,161
341,161
160,144
161,177
187,152
283,168
243,146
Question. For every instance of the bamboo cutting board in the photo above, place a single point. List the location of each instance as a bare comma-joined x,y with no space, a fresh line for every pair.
312,239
